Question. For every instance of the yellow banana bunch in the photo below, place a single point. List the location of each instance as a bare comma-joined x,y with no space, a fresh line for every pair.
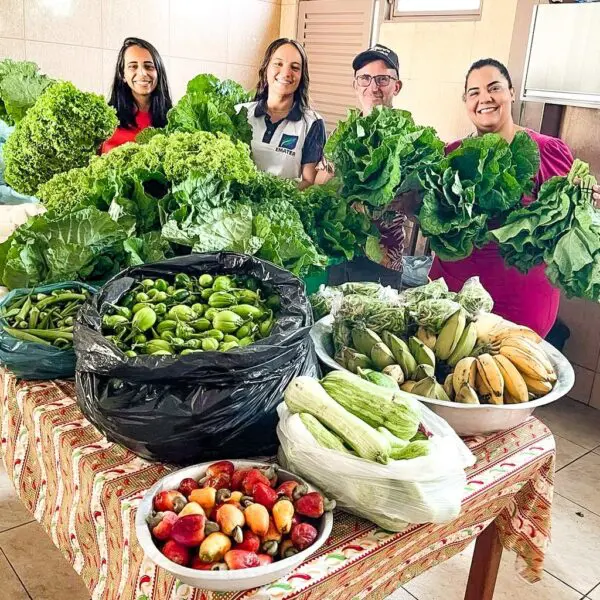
491,378
529,347
464,372
515,388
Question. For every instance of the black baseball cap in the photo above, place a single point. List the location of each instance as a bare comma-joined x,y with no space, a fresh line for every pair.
377,52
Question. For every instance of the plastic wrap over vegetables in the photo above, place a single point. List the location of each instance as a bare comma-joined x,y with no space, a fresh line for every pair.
429,291
329,296
433,314
474,297
427,485
376,314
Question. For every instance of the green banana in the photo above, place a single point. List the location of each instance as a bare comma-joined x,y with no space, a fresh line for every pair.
401,353
382,356
450,335
465,345
426,387
422,354
364,339
423,371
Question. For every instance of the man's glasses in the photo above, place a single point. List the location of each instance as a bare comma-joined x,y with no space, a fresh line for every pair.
380,80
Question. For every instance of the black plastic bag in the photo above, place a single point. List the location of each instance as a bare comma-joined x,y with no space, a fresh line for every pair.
203,406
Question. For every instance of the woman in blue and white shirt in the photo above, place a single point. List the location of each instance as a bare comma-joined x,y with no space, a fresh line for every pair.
288,136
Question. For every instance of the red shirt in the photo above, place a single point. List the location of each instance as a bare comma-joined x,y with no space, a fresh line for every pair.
123,135
527,299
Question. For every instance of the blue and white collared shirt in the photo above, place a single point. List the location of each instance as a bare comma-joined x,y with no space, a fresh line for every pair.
283,147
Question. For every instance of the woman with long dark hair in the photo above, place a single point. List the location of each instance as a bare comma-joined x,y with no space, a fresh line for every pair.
288,136
528,299
140,91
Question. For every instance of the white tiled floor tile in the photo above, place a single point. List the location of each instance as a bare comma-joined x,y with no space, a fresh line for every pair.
572,420
448,582
594,594
401,594
567,451
10,586
580,482
12,511
573,556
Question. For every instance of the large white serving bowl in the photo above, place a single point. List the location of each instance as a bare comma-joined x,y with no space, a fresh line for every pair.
467,419
222,581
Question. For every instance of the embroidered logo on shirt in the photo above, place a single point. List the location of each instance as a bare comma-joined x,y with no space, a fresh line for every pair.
288,141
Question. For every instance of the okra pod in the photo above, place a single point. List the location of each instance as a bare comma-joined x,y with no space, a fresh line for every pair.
26,337
61,298
50,334
24,310
34,315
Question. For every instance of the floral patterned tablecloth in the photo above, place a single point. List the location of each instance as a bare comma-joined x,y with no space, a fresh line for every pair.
84,490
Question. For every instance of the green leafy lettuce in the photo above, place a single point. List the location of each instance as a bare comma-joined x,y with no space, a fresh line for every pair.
61,131
482,180
21,84
561,229
209,105
85,245
382,154
331,221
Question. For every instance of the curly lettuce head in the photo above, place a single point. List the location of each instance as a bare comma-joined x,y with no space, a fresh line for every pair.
62,130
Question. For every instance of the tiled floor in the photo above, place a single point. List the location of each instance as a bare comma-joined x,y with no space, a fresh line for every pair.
31,567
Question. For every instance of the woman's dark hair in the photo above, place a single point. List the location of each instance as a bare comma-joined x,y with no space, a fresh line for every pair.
121,97
489,62
301,94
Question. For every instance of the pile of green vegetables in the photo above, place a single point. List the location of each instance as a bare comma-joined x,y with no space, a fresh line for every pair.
191,187
382,154
44,318
474,186
21,84
560,229
190,314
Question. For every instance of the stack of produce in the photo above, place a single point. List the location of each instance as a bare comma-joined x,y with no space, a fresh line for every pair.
235,518
560,229
378,452
190,314
44,318
36,329
352,416
448,348
190,187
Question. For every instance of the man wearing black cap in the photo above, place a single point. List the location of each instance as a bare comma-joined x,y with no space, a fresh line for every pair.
376,78
376,82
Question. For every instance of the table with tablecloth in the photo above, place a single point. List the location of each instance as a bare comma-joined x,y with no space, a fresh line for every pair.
84,490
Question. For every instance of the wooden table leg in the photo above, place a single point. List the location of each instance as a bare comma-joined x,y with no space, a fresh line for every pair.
484,565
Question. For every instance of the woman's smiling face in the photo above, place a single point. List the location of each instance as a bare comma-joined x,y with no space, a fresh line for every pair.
140,71
489,99
284,72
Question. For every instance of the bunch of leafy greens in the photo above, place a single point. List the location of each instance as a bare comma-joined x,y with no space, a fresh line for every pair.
209,105
474,298
340,231
206,213
61,131
123,167
206,154
85,245
200,214
21,84
382,154
481,180
562,229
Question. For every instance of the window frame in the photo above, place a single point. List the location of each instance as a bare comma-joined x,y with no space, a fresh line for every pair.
433,15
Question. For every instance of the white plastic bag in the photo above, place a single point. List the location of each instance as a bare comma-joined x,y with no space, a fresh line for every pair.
419,490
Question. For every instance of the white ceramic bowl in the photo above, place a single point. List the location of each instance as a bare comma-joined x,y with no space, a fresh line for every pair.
221,581
467,419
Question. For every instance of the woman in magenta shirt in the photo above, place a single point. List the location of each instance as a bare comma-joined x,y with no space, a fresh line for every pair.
140,92
527,299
